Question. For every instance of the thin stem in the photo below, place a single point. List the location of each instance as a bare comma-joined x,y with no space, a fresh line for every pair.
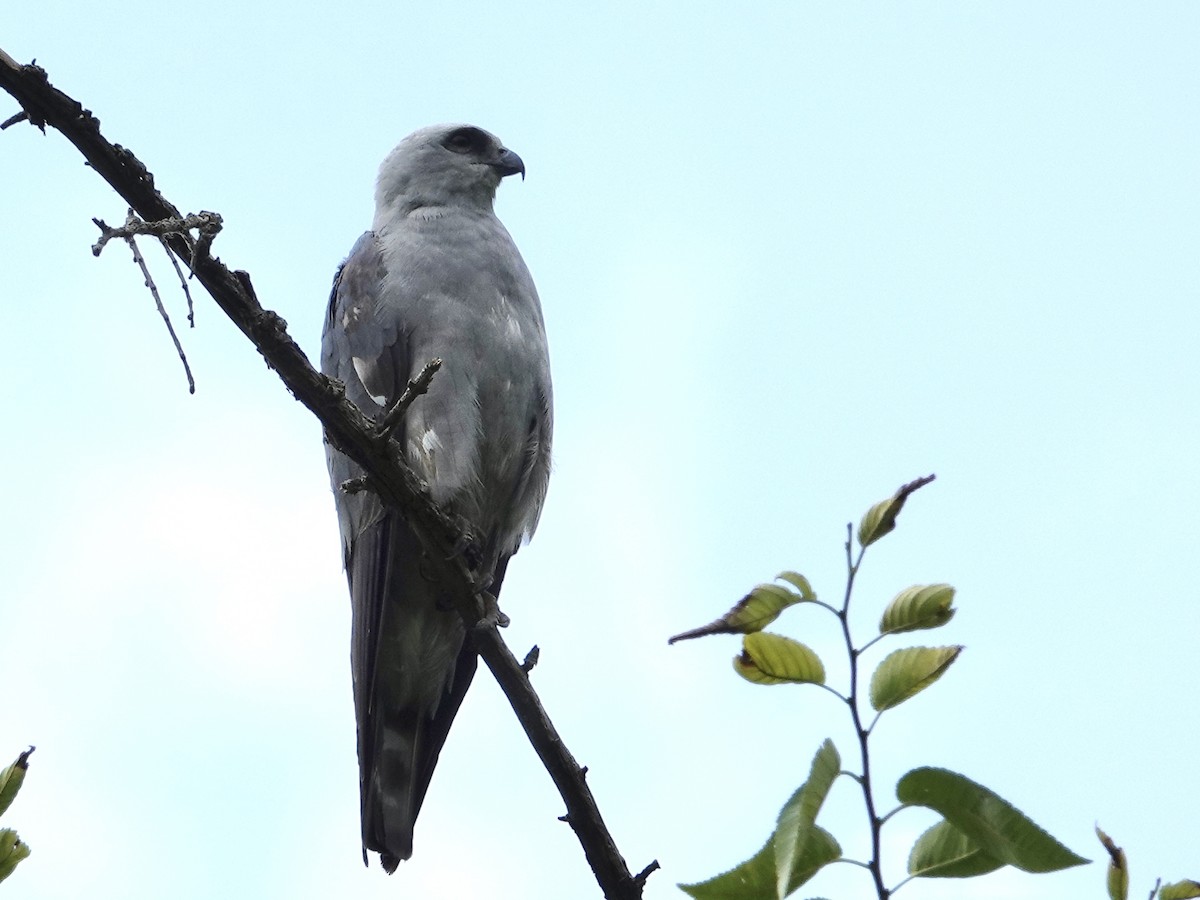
832,609
871,727
852,862
833,691
891,813
878,637
852,566
903,883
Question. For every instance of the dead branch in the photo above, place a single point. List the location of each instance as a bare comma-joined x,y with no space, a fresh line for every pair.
348,430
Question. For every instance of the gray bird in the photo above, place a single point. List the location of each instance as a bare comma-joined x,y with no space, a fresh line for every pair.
437,276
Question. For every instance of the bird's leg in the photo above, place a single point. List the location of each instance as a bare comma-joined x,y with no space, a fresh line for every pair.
468,548
491,611
481,580
482,576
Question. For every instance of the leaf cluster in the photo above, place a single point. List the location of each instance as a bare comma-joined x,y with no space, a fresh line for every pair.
978,831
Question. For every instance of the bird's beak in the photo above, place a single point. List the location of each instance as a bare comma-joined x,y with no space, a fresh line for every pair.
508,163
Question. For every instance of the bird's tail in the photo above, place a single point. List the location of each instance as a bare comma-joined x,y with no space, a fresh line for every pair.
392,791
412,673
406,748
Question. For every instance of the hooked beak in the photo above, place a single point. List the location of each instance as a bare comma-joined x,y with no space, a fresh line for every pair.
508,163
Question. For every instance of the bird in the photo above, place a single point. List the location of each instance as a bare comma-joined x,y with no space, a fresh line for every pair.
437,276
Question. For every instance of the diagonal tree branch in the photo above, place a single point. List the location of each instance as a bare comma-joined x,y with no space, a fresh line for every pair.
352,433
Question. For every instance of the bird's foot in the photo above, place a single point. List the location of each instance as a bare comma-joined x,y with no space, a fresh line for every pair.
491,612
467,548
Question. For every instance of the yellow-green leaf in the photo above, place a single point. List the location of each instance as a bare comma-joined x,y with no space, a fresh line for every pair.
11,779
918,607
773,659
799,582
945,852
992,823
754,612
881,518
1180,890
1118,869
12,851
907,672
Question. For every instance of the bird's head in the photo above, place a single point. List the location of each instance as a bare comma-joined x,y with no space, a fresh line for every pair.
444,165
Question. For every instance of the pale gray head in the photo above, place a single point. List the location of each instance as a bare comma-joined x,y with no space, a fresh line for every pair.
444,165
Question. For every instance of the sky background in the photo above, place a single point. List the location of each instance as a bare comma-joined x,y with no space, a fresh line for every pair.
791,256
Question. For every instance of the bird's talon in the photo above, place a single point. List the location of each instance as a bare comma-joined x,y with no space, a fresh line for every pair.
491,613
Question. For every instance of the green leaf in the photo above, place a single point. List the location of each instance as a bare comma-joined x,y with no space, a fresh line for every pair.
797,820
907,672
754,612
918,607
945,852
881,518
1118,869
755,878
12,851
760,608
773,659
11,779
992,823
799,582
1180,890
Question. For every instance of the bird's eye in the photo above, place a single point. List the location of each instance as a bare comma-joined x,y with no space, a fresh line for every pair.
464,140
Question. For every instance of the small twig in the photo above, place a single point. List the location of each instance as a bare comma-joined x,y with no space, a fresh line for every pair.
207,223
417,386
13,120
531,659
182,280
162,311
640,878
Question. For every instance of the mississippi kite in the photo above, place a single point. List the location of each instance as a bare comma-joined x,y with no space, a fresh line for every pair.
437,276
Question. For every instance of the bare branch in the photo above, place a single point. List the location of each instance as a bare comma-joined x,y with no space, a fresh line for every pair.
162,311
182,279
416,386
207,223
351,432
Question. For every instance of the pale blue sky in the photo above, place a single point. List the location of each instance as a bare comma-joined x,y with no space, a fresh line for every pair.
791,256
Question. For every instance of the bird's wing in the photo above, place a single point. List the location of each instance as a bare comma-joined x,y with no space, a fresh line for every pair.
354,340
410,664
